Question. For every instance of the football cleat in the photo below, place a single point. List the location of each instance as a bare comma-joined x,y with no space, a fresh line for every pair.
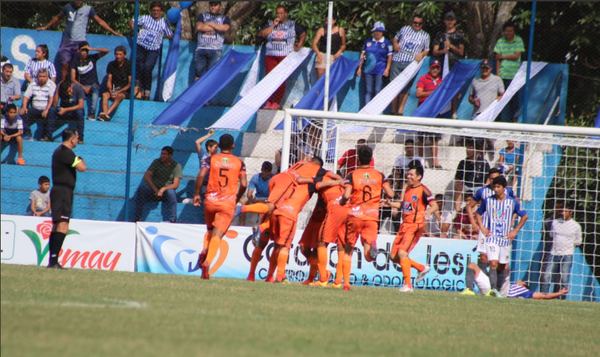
238,210
205,271
467,291
373,252
335,286
322,284
422,274
250,277
255,236
270,279
406,289
346,288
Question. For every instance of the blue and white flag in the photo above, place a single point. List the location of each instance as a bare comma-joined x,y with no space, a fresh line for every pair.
252,78
171,67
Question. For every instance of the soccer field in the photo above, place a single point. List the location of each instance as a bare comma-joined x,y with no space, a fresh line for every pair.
98,313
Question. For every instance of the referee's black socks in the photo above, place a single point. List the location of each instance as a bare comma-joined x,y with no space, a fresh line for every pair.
56,242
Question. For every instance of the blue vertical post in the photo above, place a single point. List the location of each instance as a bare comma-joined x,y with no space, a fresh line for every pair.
518,169
131,102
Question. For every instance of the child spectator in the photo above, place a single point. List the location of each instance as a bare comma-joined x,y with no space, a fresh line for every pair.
11,87
118,83
12,129
509,158
153,28
211,147
40,198
462,223
258,189
40,61
84,72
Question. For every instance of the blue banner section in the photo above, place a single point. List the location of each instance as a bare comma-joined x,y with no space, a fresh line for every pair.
196,96
460,74
341,71
597,123
171,67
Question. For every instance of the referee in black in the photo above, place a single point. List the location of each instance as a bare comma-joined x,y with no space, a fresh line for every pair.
64,164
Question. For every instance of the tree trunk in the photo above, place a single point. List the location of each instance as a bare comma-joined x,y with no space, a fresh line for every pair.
479,29
238,14
186,24
502,16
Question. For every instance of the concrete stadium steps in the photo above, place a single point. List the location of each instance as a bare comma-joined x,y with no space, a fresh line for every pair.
105,208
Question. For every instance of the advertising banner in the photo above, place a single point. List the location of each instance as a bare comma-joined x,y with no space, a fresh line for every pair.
174,249
89,244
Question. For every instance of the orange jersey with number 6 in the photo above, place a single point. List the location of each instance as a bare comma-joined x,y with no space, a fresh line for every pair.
367,185
224,175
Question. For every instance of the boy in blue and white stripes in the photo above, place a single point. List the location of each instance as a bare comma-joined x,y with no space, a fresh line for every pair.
153,28
497,227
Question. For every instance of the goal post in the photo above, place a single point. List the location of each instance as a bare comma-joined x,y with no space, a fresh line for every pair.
557,166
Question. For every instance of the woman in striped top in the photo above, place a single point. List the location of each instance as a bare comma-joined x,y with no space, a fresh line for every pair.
40,61
281,35
153,28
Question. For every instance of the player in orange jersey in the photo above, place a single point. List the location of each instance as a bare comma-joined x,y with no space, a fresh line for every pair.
363,187
308,241
414,214
222,194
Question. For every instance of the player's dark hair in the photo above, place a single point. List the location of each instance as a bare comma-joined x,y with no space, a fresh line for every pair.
414,163
365,154
43,179
83,44
168,149
63,89
468,194
361,141
7,65
418,169
68,133
570,205
439,197
508,24
156,4
317,160
417,15
409,141
11,106
494,170
226,142
121,48
282,7
210,143
45,51
559,202
500,180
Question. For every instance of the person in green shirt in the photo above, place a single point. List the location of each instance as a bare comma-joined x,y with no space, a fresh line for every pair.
162,179
507,53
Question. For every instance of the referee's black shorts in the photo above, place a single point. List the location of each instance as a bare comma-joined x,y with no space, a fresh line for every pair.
61,201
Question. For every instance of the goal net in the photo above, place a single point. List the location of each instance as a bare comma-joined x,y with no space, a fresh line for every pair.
551,169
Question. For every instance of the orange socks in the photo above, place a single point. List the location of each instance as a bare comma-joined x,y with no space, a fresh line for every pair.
420,267
346,269
322,263
260,208
339,270
206,240
281,263
273,262
256,255
213,248
406,265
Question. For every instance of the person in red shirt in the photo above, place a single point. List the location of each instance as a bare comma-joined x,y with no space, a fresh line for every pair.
363,188
414,214
427,84
222,195
350,159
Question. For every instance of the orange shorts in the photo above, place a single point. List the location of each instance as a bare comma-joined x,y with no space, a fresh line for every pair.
407,237
283,230
311,233
218,216
334,224
280,187
366,229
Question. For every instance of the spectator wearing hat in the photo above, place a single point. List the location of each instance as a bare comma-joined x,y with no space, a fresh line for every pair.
485,89
84,71
507,54
426,85
258,189
450,42
411,43
377,57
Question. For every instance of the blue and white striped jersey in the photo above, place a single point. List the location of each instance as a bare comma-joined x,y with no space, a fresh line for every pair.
152,32
499,217
488,191
517,291
411,43
33,66
280,41
212,40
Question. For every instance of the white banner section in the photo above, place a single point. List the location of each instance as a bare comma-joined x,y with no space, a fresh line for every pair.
89,245
174,249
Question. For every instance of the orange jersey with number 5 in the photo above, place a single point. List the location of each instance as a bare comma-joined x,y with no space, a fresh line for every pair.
416,200
367,185
224,175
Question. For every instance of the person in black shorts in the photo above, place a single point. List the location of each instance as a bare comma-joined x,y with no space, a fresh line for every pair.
64,164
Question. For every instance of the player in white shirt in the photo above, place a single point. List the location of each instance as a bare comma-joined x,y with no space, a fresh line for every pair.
566,235
497,227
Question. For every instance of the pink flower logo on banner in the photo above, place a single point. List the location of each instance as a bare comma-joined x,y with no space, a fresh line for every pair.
45,228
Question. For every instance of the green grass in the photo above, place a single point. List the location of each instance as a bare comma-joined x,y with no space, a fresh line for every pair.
98,313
